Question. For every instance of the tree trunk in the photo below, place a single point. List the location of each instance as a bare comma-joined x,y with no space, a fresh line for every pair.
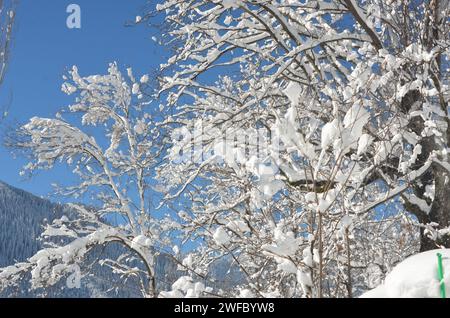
440,210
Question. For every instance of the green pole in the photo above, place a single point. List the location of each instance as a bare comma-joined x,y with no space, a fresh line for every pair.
441,275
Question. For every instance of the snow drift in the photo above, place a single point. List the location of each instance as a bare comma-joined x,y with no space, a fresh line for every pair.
416,277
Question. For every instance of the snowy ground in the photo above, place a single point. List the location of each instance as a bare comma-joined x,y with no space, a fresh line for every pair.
417,276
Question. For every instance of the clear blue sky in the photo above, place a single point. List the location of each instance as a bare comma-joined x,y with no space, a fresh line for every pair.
44,48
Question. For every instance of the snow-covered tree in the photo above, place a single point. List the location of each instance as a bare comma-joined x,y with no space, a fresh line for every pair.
308,149
109,140
310,137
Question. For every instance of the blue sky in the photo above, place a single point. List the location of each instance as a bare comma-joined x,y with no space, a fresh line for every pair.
44,48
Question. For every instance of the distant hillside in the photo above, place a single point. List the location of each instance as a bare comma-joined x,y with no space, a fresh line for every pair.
22,216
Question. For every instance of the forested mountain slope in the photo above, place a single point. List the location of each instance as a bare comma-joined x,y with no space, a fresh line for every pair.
22,217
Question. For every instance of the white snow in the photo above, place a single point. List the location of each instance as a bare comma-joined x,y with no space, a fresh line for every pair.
285,243
304,279
140,127
68,88
345,224
61,231
270,188
188,261
308,258
329,133
356,116
185,287
246,293
140,241
354,121
422,204
293,92
383,150
228,20
415,277
228,4
135,89
364,143
285,265
238,226
221,236
144,79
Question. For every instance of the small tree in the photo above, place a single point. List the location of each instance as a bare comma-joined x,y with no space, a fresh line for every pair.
113,165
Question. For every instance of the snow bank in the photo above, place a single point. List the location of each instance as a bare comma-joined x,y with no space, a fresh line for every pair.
417,277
